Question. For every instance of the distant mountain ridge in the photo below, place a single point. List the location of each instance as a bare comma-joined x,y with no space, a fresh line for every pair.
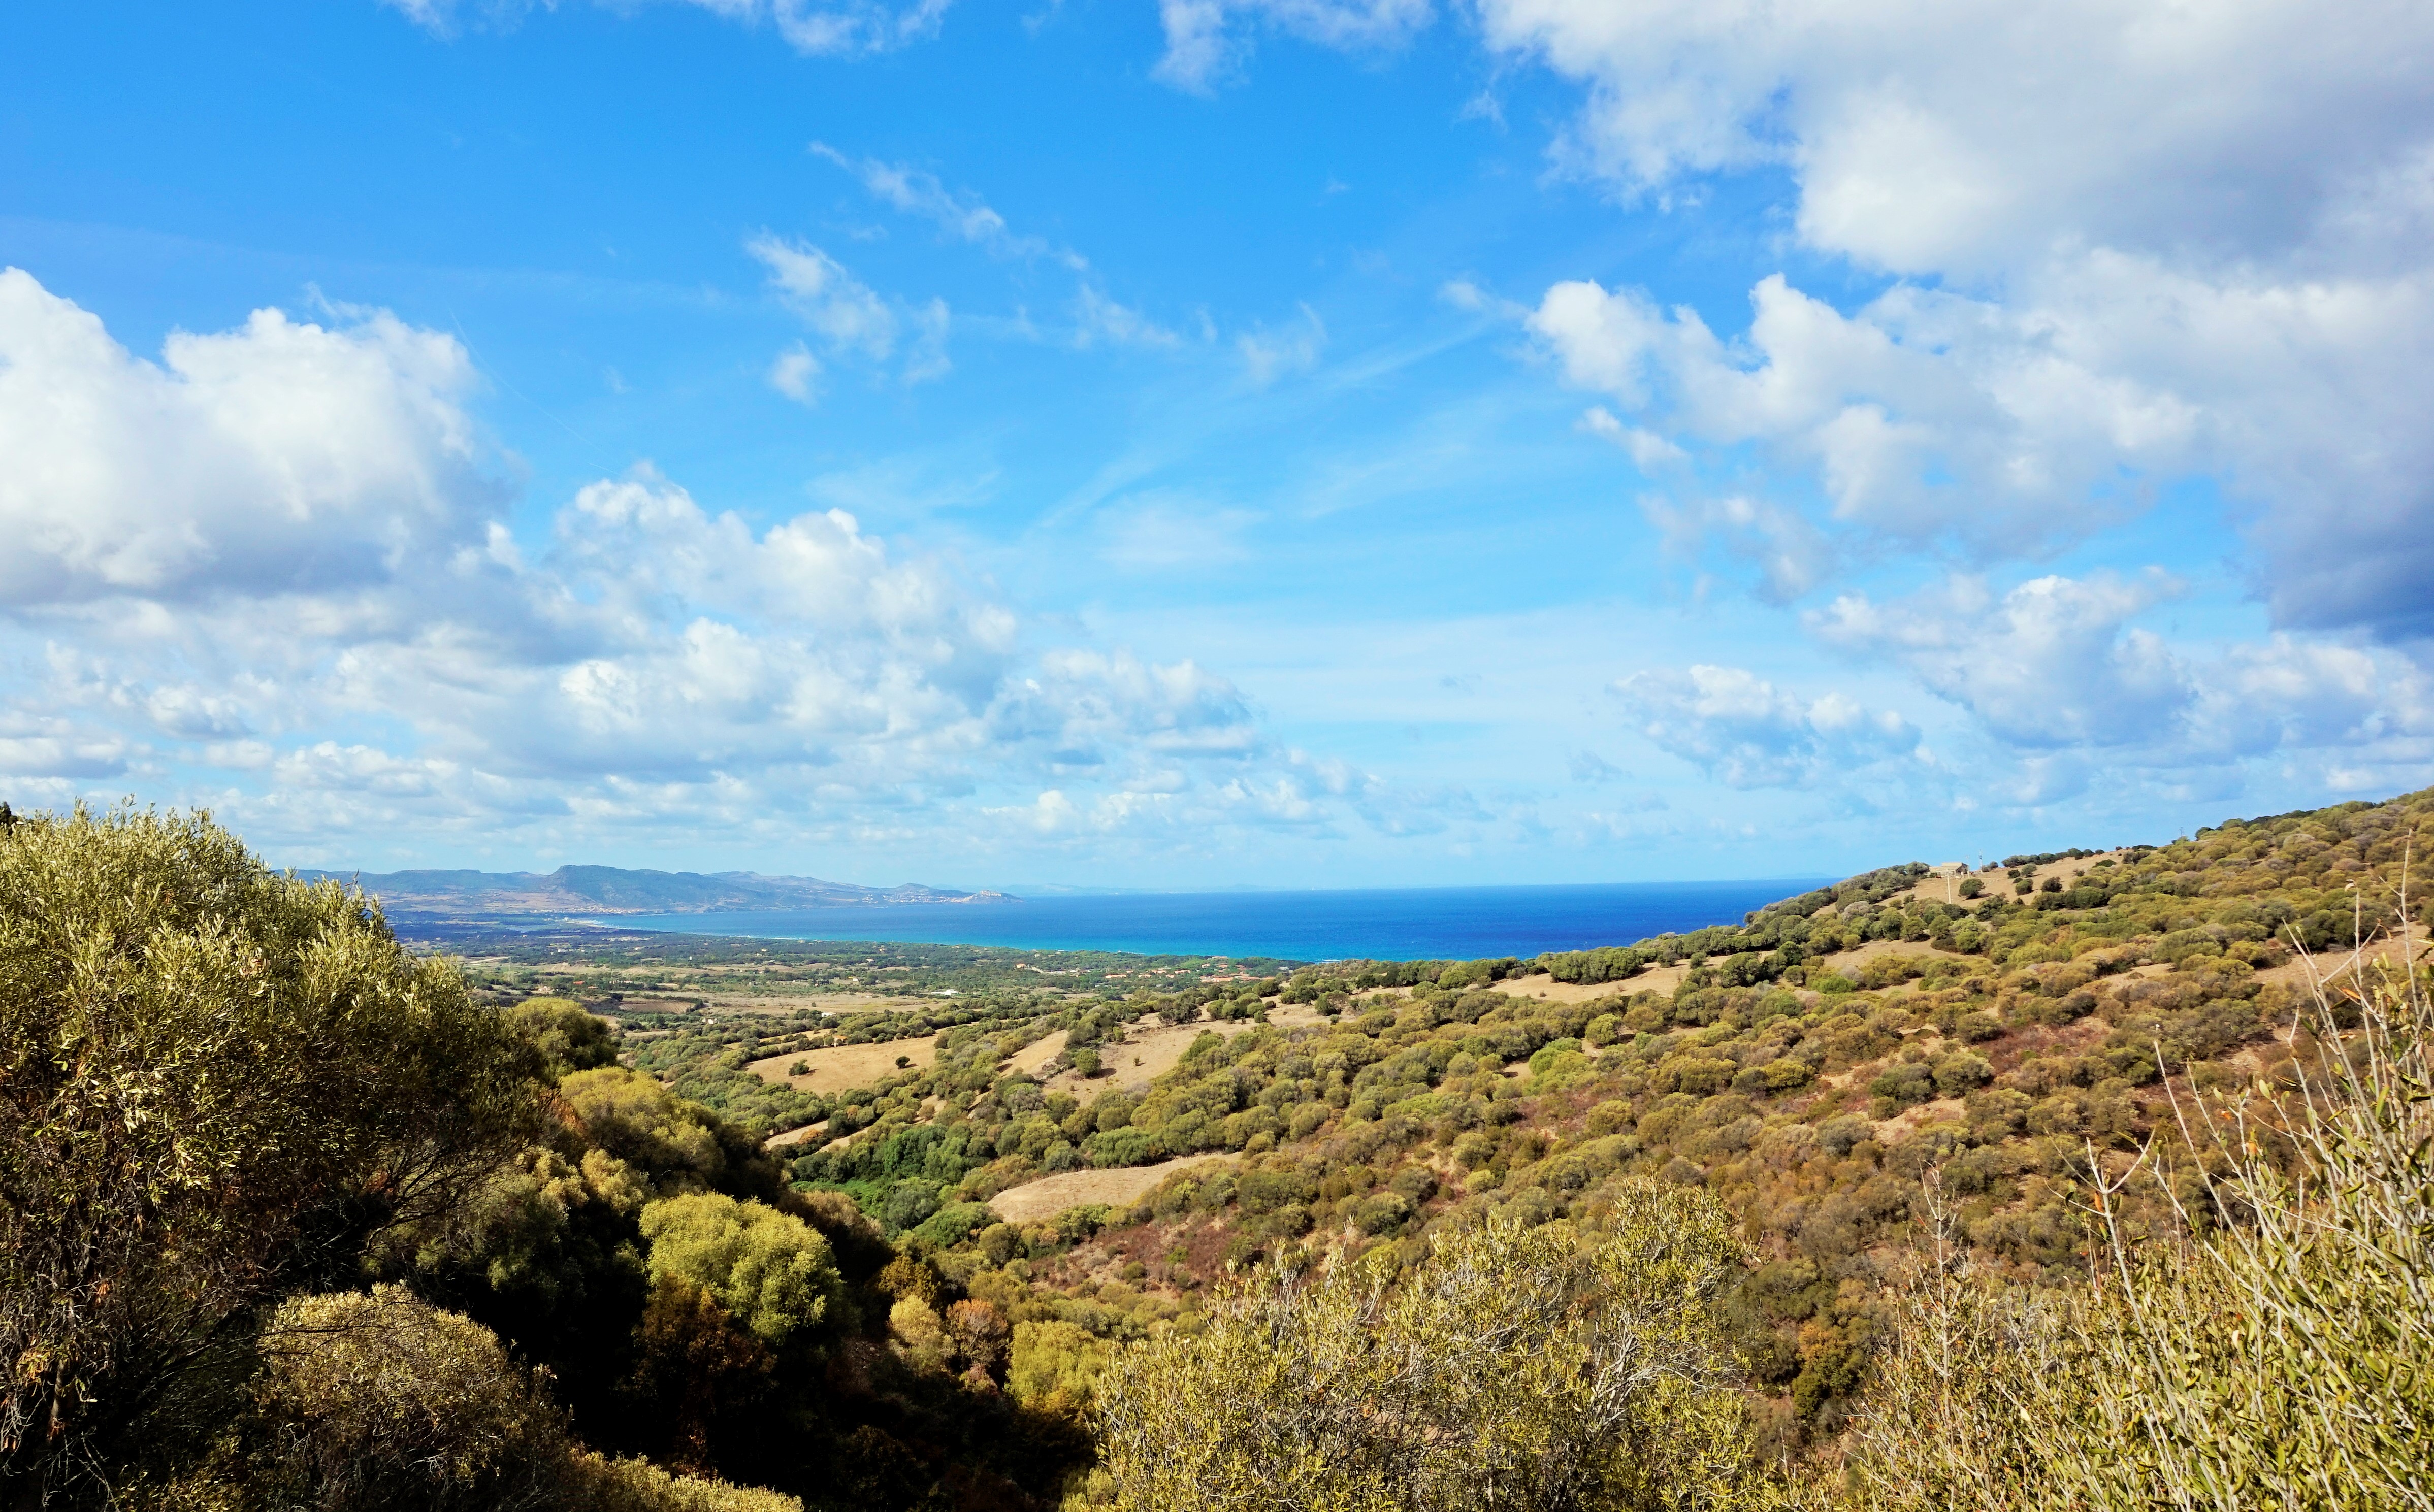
611,890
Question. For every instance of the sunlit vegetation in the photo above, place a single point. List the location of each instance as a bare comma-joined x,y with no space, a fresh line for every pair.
2058,1190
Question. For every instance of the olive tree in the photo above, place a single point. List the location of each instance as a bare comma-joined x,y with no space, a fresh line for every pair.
217,1084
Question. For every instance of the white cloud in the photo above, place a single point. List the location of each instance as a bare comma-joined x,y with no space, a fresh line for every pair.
963,216
1098,318
1929,418
796,374
1206,40
1648,451
1978,136
1925,416
2057,663
278,455
1791,554
845,312
2137,243
1268,353
1745,731
848,317
2049,664
382,656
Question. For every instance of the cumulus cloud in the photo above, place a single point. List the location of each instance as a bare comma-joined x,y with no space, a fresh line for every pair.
1978,135
2052,663
2057,663
1748,733
330,629
1206,40
2131,244
1791,554
280,455
1925,416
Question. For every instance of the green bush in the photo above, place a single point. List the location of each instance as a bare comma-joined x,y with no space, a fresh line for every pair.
220,1084
566,1037
1527,1369
771,1271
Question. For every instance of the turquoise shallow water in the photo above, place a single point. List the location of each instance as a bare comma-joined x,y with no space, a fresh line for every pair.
1382,923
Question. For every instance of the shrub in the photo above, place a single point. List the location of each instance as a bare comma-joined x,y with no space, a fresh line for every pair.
1526,1369
1904,1085
566,1037
951,1226
771,1271
384,1401
1054,1366
220,1085
2285,1359
597,1484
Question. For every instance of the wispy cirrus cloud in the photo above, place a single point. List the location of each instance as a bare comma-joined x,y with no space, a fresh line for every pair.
819,28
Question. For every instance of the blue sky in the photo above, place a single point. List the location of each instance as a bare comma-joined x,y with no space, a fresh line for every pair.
1223,442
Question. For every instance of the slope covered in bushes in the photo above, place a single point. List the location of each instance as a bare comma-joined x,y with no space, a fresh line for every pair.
1810,1066
330,1232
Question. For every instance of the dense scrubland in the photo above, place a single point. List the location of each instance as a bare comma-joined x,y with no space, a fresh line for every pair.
2096,1179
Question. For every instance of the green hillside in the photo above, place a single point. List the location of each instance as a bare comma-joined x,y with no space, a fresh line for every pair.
1995,1039
887,1309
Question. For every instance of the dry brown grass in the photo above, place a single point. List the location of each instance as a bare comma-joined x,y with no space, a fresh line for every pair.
1052,1195
1539,985
795,1136
1944,886
2339,968
1149,1049
846,1066
1033,1057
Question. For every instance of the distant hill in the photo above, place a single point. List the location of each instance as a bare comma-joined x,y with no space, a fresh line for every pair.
611,890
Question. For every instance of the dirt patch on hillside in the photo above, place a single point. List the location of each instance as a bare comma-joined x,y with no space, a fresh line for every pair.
1847,964
2338,967
1942,885
1148,1050
1052,1195
846,1065
796,1136
1033,1057
1539,985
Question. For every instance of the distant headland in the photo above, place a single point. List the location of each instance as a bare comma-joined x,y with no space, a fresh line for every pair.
612,890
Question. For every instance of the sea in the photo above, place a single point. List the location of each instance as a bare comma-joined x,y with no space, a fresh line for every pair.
1375,923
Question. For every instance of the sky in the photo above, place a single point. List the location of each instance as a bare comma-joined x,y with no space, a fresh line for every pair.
1215,443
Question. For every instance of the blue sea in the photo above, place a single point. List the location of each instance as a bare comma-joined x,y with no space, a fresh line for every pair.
1380,924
